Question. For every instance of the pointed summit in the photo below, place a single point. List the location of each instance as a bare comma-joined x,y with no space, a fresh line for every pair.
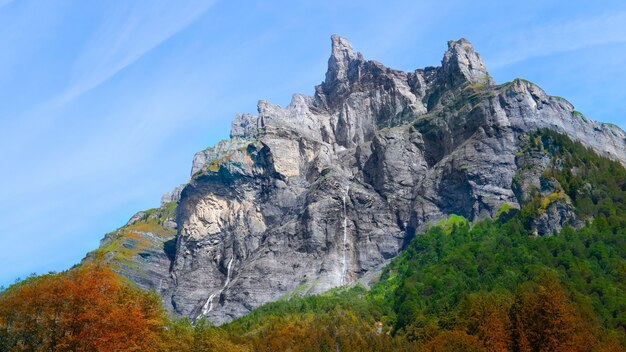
463,64
340,58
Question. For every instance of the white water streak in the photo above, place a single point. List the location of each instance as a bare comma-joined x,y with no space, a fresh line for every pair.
344,261
208,306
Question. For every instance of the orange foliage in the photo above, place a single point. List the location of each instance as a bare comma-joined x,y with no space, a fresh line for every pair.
84,309
487,317
544,319
454,341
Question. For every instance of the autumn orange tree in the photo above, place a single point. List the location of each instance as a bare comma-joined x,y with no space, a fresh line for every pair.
454,341
544,319
88,308
486,315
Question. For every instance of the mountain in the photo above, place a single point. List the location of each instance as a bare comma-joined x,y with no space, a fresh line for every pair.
325,192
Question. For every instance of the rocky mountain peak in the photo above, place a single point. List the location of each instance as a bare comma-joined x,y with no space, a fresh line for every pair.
340,58
342,69
463,64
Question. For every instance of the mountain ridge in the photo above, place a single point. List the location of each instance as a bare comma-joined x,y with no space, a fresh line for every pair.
327,190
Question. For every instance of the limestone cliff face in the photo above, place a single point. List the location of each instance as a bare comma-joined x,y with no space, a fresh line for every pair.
327,190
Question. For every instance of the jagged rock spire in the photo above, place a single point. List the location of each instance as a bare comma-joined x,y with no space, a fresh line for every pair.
463,64
340,58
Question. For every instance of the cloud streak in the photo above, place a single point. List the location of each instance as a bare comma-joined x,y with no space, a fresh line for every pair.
123,40
552,39
125,34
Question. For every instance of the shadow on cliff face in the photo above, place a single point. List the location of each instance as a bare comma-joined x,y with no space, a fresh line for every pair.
169,247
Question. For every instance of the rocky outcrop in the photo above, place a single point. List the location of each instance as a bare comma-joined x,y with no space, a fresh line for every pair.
531,183
327,190
172,196
461,64
143,249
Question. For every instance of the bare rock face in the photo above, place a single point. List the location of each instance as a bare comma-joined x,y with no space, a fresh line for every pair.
327,190
462,64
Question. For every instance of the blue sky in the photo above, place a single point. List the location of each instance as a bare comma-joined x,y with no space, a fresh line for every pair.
104,103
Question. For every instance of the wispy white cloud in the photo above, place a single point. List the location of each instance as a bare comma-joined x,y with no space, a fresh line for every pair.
126,33
557,38
122,40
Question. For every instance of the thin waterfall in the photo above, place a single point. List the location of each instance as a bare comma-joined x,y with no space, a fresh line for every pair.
208,306
344,261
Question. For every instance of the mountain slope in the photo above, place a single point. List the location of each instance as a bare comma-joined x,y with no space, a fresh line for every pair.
326,191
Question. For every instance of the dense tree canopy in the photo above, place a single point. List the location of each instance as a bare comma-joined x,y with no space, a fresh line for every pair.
84,309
